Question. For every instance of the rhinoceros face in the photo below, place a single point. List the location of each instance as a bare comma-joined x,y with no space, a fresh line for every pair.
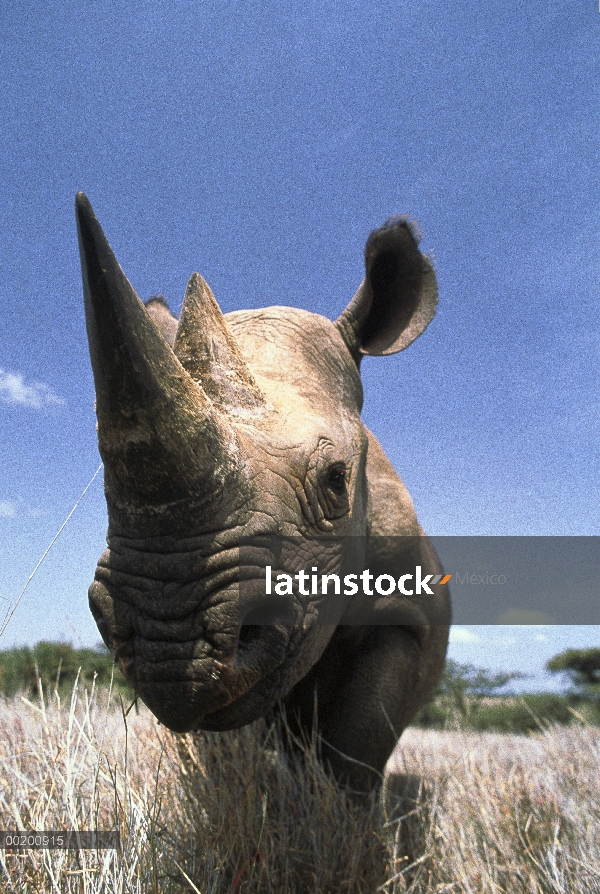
246,425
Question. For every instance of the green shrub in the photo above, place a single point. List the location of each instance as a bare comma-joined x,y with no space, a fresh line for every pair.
520,715
57,665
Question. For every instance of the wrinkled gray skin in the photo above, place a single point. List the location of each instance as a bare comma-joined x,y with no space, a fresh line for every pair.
222,427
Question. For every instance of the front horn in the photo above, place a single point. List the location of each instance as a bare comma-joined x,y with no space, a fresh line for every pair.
159,435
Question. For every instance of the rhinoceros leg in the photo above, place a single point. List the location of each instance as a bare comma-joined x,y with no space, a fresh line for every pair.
365,686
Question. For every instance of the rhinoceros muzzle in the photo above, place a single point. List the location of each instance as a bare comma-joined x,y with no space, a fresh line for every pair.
196,655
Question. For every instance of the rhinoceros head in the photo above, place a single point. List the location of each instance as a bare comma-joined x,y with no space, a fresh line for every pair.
235,427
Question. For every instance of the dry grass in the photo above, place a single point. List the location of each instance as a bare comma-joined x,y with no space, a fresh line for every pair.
476,812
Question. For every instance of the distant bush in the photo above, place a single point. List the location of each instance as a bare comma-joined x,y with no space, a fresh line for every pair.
521,715
503,714
57,665
468,698
437,715
582,667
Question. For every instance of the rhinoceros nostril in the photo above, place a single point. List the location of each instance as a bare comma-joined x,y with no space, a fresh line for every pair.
249,634
269,611
264,634
102,625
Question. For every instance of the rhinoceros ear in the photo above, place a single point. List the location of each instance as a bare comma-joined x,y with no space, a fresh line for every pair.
398,297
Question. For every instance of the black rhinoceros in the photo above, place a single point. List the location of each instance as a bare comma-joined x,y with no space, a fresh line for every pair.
221,428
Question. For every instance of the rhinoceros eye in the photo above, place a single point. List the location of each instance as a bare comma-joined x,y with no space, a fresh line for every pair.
336,478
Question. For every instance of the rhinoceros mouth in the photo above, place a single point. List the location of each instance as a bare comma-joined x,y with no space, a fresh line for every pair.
220,695
186,695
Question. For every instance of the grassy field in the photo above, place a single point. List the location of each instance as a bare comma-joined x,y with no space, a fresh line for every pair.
471,812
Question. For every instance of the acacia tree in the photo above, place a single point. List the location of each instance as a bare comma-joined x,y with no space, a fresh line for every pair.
583,668
464,684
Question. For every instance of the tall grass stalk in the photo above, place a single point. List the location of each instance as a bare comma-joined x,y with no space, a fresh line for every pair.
470,812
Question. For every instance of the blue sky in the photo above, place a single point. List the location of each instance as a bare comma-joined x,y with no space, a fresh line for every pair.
259,143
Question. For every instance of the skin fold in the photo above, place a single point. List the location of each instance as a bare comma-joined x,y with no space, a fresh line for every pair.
214,429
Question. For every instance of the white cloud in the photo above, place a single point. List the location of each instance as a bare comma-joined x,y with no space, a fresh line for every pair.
7,509
462,635
504,642
13,390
